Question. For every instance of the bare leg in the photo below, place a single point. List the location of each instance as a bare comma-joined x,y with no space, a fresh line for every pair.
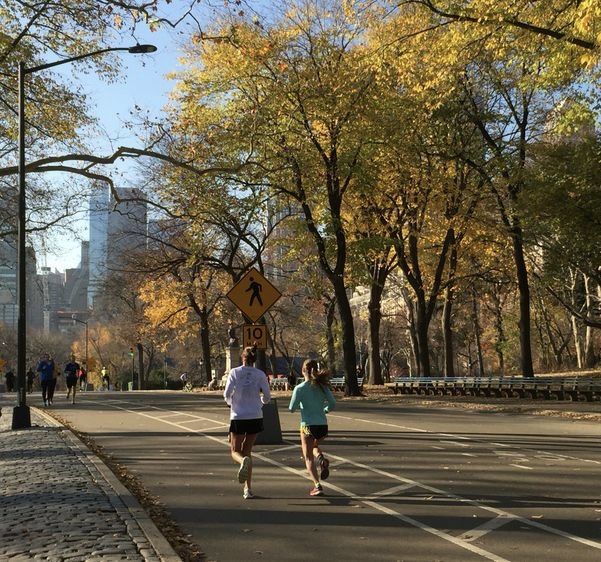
247,448
236,443
309,443
241,446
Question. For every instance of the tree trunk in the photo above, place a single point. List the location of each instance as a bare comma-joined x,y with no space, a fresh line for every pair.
477,333
412,331
331,346
589,356
447,316
499,328
205,344
141,381
422,337
574,321
375,318
524,292
348,337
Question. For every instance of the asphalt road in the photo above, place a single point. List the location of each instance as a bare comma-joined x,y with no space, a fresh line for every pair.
408,482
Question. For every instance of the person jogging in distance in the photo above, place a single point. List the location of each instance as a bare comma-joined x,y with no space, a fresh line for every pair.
29,377
314,399
243,394
46,369
71,370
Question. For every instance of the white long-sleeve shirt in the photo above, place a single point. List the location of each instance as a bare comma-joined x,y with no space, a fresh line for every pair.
243,393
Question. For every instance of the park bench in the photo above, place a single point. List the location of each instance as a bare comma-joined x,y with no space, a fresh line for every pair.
338,383
546,387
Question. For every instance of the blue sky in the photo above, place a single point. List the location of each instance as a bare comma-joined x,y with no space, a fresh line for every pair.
142,83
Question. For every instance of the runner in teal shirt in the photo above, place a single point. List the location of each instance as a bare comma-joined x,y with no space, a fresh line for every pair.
314,399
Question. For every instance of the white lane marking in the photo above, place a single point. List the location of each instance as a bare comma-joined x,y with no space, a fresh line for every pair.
454,443
286,448
454,436
468,454
486,527
569,457
507,454
210,428
393,490
542,526
479,505
436,447
382,423
431,530
521,466
475,440
388,511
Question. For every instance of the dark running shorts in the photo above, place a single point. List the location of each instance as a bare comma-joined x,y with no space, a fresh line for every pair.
71,381
316,431
240,427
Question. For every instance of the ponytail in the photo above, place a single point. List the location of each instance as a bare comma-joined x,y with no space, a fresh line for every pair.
250,354
316,377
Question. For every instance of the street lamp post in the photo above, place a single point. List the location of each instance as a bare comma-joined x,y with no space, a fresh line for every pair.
21,413
133,366
75,319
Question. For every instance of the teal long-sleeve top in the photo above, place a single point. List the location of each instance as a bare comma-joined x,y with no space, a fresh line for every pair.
314,403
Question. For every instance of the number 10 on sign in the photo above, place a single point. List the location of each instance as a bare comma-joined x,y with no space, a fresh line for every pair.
254,334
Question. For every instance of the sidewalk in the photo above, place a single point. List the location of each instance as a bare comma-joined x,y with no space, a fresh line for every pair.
59,502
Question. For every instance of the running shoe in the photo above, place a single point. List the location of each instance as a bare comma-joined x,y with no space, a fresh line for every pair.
248,495
317,491
243,471
46,403
324,465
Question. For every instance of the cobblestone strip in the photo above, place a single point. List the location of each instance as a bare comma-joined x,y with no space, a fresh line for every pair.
56,503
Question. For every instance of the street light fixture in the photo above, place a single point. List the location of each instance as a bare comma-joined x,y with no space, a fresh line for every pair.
21,413
75,319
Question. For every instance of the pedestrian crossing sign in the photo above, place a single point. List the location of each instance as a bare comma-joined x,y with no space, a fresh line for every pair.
254,295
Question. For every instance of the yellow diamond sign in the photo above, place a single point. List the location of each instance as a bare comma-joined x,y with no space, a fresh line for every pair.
254,295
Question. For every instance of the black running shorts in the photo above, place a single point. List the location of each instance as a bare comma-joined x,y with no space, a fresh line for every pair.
241,427
315,431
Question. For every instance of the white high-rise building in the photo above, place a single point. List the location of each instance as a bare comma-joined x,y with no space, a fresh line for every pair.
127,227
98,218
117,230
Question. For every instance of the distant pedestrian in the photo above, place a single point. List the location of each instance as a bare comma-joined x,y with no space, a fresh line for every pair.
106,381
83,379
71,370
9,377
47,381
52,387
243,394
315,400
30,376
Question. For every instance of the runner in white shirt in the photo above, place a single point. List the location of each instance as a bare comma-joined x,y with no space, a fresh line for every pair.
243,394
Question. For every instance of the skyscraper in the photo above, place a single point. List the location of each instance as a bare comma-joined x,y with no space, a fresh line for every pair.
98,217
127,227
118,229
8,287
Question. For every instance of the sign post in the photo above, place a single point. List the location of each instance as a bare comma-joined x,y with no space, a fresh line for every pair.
254,295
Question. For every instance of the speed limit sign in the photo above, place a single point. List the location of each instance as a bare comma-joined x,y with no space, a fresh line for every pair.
254,334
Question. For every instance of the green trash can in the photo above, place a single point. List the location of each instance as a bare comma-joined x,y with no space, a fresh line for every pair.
130,386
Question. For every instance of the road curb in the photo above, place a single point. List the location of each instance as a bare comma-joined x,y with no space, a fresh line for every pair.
122,497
